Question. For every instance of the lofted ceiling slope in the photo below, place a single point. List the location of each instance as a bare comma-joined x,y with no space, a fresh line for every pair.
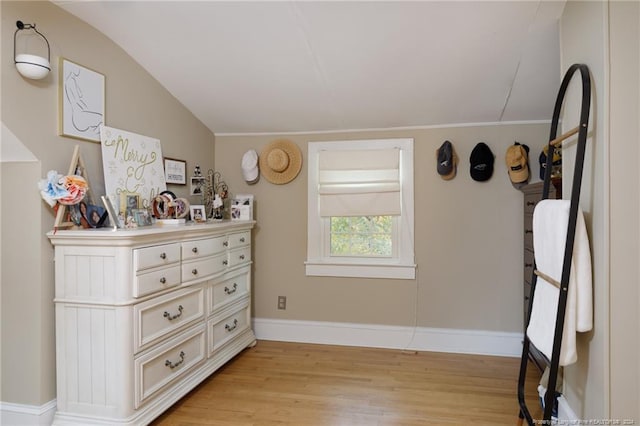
301,66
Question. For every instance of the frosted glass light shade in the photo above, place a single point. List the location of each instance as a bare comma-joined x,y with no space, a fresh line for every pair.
32,66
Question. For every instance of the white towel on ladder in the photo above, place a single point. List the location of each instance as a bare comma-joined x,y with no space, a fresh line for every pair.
550,222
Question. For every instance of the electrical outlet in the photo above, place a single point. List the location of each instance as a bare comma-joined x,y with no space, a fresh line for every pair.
282,302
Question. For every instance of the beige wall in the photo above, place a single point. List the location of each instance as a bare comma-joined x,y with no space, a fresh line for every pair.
468,239
605,383
625,210
134,102
583,41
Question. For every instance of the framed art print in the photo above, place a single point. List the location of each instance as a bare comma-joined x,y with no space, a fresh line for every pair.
175,171
82,101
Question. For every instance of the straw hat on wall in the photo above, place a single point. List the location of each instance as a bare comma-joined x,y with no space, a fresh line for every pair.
280,161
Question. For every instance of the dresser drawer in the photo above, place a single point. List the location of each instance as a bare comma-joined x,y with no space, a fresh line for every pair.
239,256
525,305
240,239
528,232
221,332
204,267
156,280
156,318
528,265
152,257
201,248
530,201
227,291
168,362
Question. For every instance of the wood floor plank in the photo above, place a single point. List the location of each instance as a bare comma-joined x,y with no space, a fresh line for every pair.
279,383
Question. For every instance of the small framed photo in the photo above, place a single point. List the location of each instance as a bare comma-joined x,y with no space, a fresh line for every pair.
129,201
198,184
198,213
242,207
82,101
175,171
142,217
94,215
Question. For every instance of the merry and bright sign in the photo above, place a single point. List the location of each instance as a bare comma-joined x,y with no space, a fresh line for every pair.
132,164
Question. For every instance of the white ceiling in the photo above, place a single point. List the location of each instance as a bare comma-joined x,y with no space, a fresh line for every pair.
295,66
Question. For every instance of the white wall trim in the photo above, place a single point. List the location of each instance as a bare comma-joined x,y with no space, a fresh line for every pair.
477,342
565,413
22,414
390,129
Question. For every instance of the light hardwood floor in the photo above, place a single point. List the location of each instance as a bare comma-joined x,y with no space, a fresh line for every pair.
277,383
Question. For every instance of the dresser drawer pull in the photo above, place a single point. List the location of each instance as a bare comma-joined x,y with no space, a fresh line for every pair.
233,290
230,328
528,265
163,280
242,257
170,317
171,365
225,262
242,240
194,271
163,256
226,244
528,231
195,249
531,203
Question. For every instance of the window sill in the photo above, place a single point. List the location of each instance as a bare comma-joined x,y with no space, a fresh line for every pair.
353,270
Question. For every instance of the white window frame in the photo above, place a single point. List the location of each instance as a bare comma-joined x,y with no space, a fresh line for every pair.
402,264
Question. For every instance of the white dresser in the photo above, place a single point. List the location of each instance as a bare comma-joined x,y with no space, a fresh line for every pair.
144,315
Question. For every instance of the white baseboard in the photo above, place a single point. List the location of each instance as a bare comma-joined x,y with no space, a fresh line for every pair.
476,342
27,415
565,413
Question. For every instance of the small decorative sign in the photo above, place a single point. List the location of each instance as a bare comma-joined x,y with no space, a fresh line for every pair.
132,165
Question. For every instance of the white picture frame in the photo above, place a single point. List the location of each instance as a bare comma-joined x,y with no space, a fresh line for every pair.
82,101
114,220
197,213
242,207
198,185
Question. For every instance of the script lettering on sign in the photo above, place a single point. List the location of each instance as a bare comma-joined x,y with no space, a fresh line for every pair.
132,164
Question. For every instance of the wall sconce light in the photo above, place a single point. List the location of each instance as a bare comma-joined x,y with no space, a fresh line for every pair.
31,66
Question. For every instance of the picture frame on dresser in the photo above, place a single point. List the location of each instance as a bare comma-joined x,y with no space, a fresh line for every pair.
197,213
114,220
129,201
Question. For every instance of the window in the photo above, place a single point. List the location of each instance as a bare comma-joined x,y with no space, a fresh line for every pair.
368,236
360,209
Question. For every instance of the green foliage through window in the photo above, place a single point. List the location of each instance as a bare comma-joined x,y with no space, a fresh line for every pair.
369,236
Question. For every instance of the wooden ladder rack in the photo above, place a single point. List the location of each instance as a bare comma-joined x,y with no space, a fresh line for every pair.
550,398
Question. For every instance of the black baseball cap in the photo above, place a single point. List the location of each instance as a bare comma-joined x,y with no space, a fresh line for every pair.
481,162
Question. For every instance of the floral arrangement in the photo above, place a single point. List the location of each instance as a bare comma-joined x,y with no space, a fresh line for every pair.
67,190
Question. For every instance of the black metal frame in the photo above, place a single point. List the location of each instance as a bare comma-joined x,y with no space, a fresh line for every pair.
550,398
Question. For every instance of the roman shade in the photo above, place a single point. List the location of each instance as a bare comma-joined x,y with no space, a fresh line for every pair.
359,182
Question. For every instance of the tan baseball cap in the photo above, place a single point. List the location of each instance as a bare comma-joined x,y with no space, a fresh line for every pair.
517,163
